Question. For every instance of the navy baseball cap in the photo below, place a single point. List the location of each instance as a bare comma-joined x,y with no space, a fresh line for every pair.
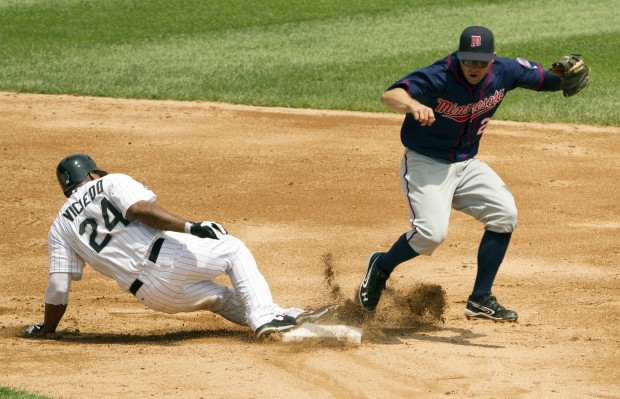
477,44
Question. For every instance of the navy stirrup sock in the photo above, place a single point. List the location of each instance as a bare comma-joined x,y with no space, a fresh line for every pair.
491,253
400,252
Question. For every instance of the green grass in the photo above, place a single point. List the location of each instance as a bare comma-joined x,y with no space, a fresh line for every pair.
304,54
11,393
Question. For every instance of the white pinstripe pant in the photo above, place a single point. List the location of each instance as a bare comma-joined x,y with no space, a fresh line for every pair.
181,280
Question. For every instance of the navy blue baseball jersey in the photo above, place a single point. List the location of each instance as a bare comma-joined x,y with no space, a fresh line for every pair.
462,110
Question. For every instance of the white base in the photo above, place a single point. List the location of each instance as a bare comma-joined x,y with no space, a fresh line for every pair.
311,331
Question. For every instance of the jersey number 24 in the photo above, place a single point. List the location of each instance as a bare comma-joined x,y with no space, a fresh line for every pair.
107,209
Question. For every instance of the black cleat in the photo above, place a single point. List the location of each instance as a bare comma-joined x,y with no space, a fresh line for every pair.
487,307
373,284
278,324
319,314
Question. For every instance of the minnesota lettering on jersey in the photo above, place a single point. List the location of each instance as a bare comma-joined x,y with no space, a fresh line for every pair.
462,113
78,207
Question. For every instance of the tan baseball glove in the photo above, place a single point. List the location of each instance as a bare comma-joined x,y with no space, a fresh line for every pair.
574,73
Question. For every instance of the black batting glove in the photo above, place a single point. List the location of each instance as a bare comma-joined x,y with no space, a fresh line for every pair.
207,229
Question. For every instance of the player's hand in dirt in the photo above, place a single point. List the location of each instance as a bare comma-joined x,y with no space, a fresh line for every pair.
36,331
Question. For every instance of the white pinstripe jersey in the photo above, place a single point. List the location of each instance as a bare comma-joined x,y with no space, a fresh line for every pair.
91,228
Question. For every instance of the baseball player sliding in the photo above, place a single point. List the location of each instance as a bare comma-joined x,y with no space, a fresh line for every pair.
111,222
448,105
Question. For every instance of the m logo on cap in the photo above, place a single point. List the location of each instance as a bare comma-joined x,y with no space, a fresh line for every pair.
476,44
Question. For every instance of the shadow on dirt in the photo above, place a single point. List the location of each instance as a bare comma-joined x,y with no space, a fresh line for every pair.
169,338
400,336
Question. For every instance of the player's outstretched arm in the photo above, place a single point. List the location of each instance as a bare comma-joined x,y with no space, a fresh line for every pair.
159,218
56,300
155,216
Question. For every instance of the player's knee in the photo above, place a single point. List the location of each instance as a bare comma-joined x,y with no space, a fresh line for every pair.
231,245
436,240
425,241
504,222
511,219
514,220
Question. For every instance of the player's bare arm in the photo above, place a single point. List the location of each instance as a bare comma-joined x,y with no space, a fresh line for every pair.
159,218
398,100
155,216
53,315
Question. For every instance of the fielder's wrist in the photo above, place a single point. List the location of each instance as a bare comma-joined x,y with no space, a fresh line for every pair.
188,227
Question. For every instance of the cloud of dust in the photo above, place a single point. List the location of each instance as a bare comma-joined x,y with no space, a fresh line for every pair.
420,307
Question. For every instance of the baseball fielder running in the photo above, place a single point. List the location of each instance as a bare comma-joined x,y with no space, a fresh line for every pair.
448,105
111,222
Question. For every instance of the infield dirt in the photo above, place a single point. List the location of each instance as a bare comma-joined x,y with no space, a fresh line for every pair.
312,194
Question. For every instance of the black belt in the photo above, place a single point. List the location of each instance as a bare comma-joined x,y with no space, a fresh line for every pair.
135,286
155,249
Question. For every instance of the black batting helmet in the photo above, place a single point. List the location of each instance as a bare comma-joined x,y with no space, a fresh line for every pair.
72,171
